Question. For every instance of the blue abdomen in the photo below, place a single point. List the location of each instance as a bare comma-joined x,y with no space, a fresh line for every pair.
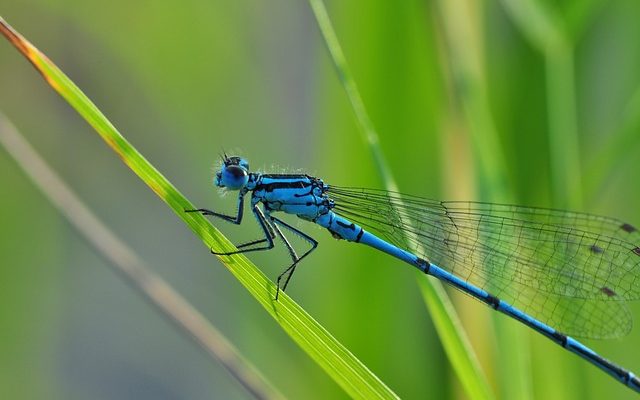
340,227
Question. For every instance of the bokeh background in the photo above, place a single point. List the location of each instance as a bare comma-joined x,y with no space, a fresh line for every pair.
534,102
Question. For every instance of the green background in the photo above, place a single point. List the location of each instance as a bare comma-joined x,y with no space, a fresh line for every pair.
182,81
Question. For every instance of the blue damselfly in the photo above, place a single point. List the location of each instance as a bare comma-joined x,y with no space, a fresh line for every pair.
561,273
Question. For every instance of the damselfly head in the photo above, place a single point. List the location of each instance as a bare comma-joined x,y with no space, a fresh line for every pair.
233,174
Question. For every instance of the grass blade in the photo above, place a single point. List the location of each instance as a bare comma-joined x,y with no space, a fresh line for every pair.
452,335
128,265
543,28
353,376
464,38
616,150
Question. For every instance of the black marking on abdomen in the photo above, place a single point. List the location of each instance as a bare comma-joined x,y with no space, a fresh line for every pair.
351,226
492,301
628,228
636,251
359,235
424,263
560,338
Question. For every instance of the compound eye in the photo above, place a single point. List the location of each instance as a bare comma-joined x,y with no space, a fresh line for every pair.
237,172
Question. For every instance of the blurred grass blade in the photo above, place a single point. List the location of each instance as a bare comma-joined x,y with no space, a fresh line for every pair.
544,30
354,377
618,149
463,33
451,332
544,27
447,323
580,15
128,265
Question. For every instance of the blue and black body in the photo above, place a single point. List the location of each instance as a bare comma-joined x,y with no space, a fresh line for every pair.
542,267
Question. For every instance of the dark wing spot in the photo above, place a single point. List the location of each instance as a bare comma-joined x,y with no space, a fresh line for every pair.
636,251
609,292
596,249
628,228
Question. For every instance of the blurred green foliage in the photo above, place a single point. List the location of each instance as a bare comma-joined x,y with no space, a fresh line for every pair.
185,81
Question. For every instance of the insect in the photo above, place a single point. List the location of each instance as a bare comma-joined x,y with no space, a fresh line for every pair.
558,272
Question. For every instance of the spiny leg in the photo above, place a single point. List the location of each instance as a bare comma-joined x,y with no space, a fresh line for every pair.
270,230
251,243
229,218
291,269
237,219
258,241
292,252
268,233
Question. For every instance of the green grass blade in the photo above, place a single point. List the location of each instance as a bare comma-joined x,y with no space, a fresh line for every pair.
128,265
464,38
616,150
447,323
450,331
544,29
353,376
580,15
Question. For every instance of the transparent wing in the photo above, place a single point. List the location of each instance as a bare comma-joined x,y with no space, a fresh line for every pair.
573,271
